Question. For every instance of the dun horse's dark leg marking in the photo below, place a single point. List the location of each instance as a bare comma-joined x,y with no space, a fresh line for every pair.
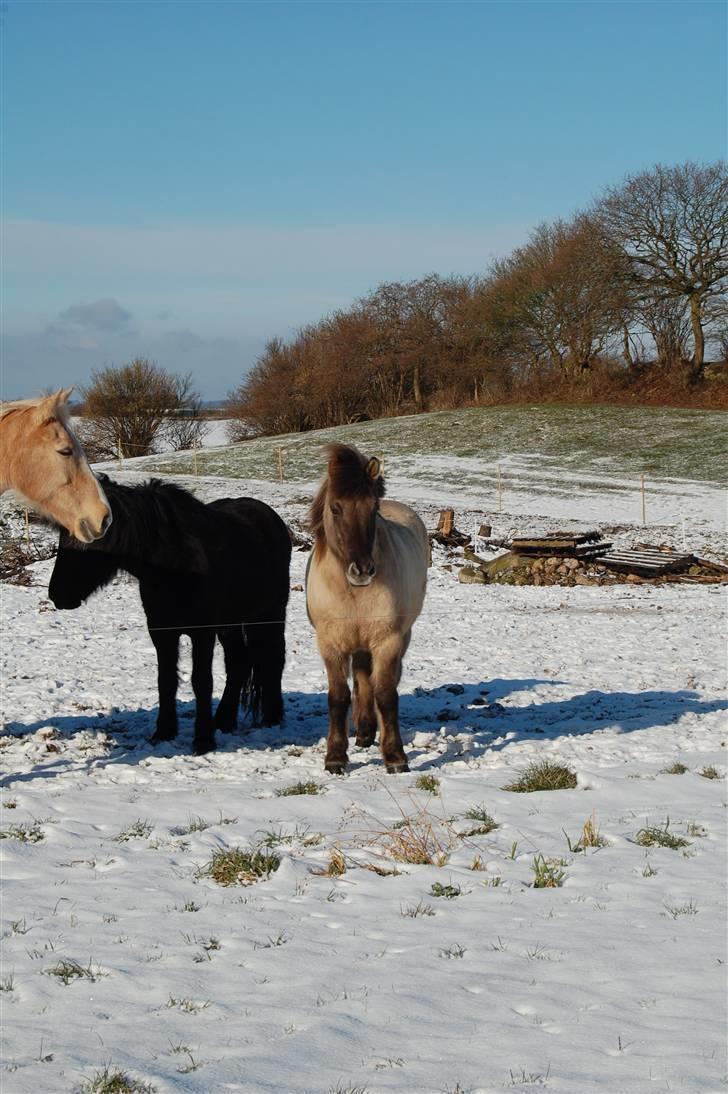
339,699
203,644
363,712
237,669
166,643
387,670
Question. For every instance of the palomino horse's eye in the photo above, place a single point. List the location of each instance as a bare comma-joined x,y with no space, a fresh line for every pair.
64,451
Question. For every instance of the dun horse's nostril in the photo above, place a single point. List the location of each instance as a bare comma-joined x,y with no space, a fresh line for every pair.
372,570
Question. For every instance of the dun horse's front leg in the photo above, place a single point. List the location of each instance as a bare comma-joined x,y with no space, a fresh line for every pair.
339,697
386,672
365,716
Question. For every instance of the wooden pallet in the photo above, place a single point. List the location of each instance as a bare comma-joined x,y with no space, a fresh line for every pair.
562,544
645,561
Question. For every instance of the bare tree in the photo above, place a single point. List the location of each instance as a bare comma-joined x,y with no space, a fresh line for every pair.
672,225
185,428
125,406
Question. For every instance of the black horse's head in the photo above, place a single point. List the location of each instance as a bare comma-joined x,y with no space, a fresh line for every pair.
155,525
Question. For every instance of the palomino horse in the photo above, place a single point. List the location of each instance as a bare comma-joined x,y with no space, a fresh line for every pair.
364,589
41,459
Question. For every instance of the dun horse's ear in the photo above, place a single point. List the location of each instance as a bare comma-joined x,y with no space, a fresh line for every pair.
374,468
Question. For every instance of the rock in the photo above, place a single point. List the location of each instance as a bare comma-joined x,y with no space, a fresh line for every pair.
582,579
471,575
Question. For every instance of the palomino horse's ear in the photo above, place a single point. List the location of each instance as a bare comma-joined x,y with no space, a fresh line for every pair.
374,468
63,395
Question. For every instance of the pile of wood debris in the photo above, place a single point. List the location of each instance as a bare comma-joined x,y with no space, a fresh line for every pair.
569,558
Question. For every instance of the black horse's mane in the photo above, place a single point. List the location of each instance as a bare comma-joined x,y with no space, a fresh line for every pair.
158,521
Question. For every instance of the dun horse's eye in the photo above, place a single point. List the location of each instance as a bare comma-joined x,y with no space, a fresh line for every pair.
64,451
336,509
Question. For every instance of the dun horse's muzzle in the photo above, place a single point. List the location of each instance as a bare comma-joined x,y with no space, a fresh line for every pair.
360,575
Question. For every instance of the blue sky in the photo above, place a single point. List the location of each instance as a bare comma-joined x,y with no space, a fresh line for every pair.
185,180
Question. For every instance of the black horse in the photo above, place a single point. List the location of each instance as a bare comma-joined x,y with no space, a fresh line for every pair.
204,570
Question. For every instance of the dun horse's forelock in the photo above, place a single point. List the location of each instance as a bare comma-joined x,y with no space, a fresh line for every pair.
347,477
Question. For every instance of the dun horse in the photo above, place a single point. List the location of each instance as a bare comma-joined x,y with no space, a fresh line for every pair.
364,590
205,571
41,459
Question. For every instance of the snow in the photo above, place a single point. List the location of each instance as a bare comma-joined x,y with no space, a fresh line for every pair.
614,982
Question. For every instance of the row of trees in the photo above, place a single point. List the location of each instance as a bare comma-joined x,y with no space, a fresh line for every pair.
639,280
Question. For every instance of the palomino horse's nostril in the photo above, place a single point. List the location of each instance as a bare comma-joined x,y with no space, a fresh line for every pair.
372,570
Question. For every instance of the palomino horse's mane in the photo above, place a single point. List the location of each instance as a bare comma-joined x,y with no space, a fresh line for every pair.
60,406
347,477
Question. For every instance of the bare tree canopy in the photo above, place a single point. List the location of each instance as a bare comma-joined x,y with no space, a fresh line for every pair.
672,225
125,407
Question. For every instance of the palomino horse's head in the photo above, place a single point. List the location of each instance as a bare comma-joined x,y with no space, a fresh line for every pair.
344,512
41,459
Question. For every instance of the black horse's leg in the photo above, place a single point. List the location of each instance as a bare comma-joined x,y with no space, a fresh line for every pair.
237,671
166,643
364,715
203,645
267,646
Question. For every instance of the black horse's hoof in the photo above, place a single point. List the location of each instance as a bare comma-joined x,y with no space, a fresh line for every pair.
201,748
162,735
335,767
397,769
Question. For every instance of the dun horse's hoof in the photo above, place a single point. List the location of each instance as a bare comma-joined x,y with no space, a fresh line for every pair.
335,767
397,769
364,741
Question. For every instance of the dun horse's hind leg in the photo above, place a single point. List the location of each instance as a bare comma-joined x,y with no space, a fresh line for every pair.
166,643
337,667
363,712
203,645
237,671
386,673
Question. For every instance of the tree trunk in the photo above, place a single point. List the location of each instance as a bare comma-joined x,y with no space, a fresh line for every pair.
698,337
416,390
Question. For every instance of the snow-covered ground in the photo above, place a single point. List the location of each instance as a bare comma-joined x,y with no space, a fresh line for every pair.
367,980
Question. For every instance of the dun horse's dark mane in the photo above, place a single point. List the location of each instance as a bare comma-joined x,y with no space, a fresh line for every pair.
346,478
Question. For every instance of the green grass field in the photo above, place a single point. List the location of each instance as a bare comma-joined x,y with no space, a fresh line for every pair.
582,441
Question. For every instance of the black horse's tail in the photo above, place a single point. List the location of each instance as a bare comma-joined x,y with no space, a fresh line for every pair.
261,695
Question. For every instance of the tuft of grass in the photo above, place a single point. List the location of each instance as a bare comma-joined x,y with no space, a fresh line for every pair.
651,836
413,911
190,906
420,839
66,971
194,824
26,832
309,787
674,769
240,866
590,836
649,870
709,772
428,783
12,803
336,866
676,910
452,952
276,837
140,829
7,983
115,1081
543,775
187,1005
484,822
446,891
547,872
493,882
